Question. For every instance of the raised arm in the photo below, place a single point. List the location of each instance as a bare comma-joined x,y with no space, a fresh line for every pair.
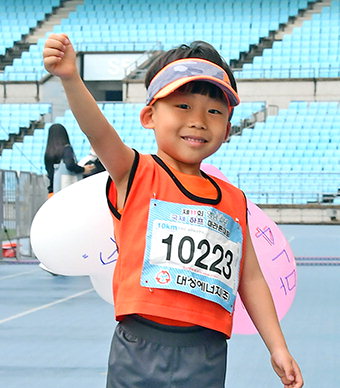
60,60
258,301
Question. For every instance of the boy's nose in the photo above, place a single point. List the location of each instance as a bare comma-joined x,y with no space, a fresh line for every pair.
197,121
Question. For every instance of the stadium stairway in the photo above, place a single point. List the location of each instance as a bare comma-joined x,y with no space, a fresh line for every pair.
52,20
277,36
19,18
19,121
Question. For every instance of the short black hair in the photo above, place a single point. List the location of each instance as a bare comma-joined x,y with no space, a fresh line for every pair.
205,88
196,49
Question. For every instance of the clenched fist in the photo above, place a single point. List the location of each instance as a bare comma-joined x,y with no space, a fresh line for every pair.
59,56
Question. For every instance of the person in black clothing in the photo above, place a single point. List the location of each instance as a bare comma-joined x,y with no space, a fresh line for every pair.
58,149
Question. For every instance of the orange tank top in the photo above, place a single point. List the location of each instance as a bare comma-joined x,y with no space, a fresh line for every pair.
151,179
197,186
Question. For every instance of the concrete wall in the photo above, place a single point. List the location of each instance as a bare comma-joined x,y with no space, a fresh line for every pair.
303,214
281,92
275,92
134,91
18,92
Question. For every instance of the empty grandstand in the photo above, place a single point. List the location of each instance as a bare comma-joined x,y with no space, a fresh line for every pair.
285,147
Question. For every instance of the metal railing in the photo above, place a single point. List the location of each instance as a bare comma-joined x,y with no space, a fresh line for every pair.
21,195
290,187
288,72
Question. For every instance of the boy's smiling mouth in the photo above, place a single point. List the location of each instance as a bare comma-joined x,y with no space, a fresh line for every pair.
193,139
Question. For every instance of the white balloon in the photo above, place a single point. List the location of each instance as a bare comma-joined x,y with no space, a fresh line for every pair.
102,283
72,233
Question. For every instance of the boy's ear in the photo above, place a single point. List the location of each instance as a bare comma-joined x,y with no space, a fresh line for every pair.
227,131
146,117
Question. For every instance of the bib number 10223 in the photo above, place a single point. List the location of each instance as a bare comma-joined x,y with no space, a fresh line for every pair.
201,254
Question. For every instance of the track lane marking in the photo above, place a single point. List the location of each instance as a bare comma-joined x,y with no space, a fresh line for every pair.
17,274
45,306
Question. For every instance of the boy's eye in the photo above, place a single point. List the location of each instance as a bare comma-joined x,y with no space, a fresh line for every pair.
215,111
183,106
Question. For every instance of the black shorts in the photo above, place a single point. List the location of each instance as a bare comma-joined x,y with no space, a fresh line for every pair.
145,354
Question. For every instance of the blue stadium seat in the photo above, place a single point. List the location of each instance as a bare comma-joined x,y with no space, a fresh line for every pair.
221,22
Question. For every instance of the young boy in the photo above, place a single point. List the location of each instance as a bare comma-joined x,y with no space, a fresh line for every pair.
184,244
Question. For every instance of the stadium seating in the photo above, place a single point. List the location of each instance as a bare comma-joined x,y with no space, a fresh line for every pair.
17,17
312,51
231,26
291,157
296,152
16,116
280,157
29,155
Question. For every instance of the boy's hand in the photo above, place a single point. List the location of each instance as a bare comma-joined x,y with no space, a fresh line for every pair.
287,369
59,56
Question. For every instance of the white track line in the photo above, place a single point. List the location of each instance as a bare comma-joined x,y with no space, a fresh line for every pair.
17,274
45,306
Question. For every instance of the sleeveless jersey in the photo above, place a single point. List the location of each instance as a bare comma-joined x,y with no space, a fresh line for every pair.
158,237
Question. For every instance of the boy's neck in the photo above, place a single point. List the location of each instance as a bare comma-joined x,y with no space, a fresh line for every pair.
184,168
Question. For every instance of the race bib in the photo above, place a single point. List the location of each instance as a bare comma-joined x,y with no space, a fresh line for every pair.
194,249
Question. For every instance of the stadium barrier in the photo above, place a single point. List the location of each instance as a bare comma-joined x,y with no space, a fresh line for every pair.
21,195
290,187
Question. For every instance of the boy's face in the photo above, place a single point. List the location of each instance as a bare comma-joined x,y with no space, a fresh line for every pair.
188,128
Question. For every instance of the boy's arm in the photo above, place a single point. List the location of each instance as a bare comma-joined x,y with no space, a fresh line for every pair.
60,60
258,301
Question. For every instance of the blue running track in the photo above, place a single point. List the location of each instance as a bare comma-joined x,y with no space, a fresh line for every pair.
55,332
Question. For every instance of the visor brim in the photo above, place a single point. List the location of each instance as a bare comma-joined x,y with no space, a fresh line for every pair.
228,91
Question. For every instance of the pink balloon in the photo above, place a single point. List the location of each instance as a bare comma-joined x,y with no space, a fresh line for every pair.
276,260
